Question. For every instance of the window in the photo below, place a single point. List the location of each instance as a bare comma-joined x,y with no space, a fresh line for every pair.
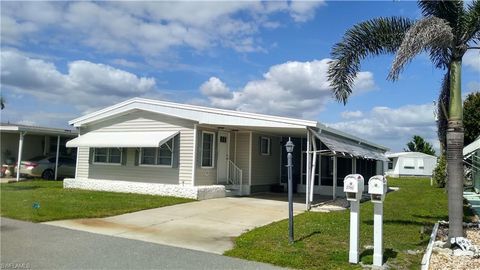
421,165
265,146
158,156
208,139
390,165
107,155
409,163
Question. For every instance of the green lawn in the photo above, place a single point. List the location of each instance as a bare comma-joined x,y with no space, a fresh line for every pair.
17,200
321,239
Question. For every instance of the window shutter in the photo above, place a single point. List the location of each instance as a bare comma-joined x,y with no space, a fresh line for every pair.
176,151
260,145
90,155
137,156
124,156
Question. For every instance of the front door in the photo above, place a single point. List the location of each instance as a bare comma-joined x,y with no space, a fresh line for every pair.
222,160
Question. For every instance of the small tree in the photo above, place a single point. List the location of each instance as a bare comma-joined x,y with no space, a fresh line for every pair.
440,172
418,144
471,117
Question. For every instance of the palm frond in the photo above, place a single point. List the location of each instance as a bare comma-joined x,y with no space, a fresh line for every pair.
449,10
426,34
372,37
472,23
442,107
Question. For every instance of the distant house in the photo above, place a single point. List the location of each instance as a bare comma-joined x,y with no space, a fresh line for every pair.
25,142
158,147
410,164
471,156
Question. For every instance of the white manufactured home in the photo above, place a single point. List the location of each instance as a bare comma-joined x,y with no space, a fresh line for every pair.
166,148
410,164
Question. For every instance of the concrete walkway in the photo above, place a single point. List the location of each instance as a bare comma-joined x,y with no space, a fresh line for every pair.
209,225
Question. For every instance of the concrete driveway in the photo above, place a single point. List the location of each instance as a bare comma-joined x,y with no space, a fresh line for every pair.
209,225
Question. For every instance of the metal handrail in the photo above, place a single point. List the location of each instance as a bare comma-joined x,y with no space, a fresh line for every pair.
235,175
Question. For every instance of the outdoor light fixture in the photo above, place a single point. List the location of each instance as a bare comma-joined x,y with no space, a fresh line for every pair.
289,147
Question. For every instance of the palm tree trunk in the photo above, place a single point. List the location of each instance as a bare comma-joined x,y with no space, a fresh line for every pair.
454,152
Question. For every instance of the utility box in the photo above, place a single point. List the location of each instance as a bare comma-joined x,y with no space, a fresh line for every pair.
377,188
353,187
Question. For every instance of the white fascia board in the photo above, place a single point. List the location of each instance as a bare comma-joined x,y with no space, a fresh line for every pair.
321,126
195,113
39,130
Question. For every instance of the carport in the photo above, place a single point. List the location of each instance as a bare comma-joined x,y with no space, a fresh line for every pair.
42,135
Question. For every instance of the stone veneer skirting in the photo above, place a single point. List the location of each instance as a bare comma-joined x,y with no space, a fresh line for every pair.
191,192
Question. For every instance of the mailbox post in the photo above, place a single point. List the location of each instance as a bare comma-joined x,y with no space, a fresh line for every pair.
377,188
353,187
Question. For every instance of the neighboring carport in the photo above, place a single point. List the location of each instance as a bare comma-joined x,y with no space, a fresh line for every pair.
42,138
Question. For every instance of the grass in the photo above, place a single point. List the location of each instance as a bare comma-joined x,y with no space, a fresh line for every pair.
321,239
17,201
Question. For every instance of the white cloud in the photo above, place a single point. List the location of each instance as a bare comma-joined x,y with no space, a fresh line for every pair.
87,85
472,59
297,89
149,28
215,88
351,114
393,127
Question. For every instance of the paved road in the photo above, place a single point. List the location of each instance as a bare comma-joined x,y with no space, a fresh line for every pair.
27,245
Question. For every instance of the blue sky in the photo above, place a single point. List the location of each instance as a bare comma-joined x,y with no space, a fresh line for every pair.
267,57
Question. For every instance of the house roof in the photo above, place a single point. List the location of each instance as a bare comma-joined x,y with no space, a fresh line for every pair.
409,154
211,116
15,128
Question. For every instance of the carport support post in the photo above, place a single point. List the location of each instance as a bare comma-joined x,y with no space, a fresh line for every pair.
56,157
20,148
334,193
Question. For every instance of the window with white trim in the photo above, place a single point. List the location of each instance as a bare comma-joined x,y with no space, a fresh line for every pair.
158,156
208,148
107,155
265,146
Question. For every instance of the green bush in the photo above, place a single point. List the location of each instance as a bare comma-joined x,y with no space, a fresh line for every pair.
440,172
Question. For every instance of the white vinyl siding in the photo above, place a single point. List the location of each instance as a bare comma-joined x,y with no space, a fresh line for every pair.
242,155
82,163
143,121
265,169
409,163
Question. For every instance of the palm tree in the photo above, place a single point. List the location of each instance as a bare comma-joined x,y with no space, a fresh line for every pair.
418,144
446,31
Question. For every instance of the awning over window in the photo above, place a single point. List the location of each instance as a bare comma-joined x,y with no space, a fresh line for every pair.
340,146
122,139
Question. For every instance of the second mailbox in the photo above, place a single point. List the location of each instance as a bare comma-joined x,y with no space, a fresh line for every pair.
377,188
353,186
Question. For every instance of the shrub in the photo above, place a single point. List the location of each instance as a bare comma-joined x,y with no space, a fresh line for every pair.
440,172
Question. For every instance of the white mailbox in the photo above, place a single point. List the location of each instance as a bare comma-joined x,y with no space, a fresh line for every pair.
377,188
353,186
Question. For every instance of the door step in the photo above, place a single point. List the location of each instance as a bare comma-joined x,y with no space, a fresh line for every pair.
232,190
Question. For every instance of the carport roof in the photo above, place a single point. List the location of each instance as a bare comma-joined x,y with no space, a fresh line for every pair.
15,128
